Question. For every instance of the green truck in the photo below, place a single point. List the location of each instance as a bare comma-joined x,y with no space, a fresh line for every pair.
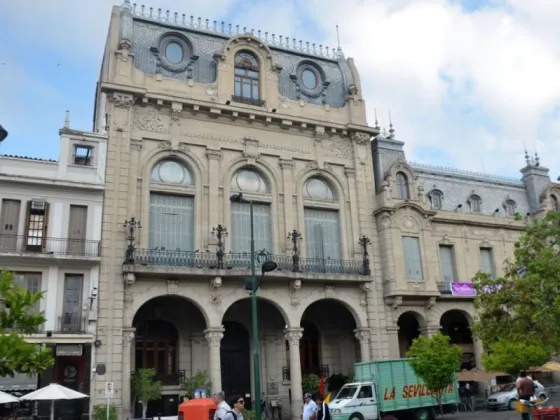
387,389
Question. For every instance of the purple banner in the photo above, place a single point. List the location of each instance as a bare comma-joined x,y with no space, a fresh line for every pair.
463,289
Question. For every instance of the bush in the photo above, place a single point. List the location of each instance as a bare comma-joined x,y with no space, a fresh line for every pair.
249,415
310,383
100,412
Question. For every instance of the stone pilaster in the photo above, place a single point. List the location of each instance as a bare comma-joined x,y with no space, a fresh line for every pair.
287,166
127,341
214,337
363,336
293,336
394,346
214,171
430,330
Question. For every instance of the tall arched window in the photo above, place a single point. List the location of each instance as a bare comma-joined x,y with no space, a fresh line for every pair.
436,198
322,225
246,83
403,190
555,203
156,347
475,203
509,207
251,183
171,214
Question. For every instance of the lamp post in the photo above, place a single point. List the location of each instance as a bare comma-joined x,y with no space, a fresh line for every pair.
220,232
267,266
131,225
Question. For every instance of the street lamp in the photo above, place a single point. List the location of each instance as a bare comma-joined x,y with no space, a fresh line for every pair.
3,134
266,267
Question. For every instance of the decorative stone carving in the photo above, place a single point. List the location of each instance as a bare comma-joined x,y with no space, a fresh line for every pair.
216,282
386,188
213,154
128,336
408,222
386,220
136,145
319,136
214,337
150,120
296,284
312,164
129,278
328,167
128,298
397,302
286,163
172,287
431,303
350,172
294,302
251,148
121,100
215,299
338,147
362,335
361,138
329,292
293,335
165,145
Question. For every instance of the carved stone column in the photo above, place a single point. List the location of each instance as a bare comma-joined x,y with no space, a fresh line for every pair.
363,336
214,337
293,335
127,340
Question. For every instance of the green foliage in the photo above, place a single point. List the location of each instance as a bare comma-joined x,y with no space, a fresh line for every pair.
17,319
310,383
512,357
249,415
336,381
435,361
199,380
100,412
523,306
145,387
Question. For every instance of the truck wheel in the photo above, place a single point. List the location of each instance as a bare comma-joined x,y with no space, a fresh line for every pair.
356,416
422,414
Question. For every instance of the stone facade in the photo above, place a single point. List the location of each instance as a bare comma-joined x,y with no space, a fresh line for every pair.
168,97
50,233
463,222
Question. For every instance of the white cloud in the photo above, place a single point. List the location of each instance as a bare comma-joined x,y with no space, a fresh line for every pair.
428,61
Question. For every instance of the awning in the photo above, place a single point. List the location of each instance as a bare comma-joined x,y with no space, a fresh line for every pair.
20,382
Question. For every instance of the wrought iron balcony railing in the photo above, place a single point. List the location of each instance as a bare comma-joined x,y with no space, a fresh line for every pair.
248,101
444,288
66,247
242,261
71,323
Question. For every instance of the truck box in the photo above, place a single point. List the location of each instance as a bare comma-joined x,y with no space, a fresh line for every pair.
398,387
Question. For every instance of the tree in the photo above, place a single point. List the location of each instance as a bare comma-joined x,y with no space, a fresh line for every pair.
512,357
310,383
436,362
523,306
145,387
16,319
199,380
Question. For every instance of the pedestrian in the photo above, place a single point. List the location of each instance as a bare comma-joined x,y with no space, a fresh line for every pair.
309,407
322,412
525,389
264,406
222,407
238,405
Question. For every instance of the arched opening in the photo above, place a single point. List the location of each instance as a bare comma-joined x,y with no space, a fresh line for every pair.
236,349
475,203
403,188
455,324
410,325
555,203
328,346
169,338
246,79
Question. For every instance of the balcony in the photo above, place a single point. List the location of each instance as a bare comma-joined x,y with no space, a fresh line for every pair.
58,247
71,323
248,101
239,264
444,288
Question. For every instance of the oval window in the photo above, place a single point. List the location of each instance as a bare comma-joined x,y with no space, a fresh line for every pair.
309,79
174,52
171,172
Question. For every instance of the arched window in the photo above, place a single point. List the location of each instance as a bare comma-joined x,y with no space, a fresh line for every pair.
251,182
171,214
509,207
475,203
555,203
156,348
246,83
403,190
322,225
436,198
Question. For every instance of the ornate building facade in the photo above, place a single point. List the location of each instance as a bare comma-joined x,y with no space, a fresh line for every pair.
197,112
437,227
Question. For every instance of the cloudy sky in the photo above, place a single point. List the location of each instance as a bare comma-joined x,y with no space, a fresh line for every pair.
469,83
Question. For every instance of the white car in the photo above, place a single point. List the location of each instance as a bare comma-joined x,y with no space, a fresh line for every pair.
507,397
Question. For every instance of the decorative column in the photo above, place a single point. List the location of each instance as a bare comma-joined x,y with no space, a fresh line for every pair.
214,337
128,339
293,335
363,334
394,345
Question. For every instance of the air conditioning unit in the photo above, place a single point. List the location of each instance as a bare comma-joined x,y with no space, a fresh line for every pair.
37,205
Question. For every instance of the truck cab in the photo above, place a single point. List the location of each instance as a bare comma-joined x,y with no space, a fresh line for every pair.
355,401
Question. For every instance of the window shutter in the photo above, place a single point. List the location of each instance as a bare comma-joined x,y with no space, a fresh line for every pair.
26,228
45,226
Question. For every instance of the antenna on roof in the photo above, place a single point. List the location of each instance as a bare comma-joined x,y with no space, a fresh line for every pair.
67,119
376,122
391,129
338,37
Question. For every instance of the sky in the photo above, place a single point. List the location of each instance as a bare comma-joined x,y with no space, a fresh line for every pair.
469,84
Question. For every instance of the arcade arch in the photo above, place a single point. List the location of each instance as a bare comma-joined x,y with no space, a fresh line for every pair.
411,326
457,325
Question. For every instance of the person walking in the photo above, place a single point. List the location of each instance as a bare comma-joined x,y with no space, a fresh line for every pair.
222,407
309,407
322,412
525,389
238,404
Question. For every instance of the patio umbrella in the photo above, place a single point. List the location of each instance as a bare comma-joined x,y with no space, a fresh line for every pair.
54,392
552,366
6,398
477,375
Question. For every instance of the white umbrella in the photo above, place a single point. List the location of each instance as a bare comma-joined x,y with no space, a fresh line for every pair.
6,398
52,393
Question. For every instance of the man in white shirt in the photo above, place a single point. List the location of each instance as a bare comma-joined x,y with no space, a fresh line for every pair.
309,407
222,407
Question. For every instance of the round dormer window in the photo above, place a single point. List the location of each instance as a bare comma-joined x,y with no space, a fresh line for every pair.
174,52
309,79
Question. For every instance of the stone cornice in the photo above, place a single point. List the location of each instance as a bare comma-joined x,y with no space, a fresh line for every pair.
480,221
59,183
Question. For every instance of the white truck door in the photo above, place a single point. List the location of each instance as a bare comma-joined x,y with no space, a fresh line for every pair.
366,402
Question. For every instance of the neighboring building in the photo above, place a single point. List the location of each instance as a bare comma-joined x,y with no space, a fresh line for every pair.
198,111
50,231
437,227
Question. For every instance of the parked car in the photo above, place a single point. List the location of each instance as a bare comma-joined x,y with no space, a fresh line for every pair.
507,397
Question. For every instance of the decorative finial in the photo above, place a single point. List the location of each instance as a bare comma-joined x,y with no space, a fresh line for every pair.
537,159
67,119
391,129
338,37
376,122
527,159
126,5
